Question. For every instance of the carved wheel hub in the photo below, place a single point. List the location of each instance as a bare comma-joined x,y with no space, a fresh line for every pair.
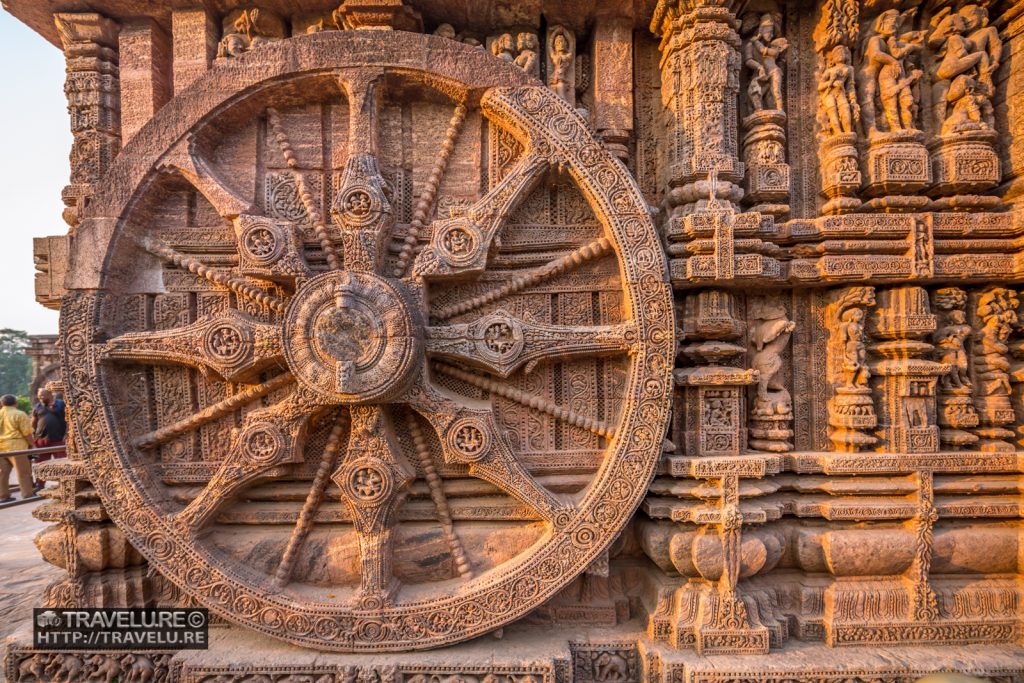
398,402
352,337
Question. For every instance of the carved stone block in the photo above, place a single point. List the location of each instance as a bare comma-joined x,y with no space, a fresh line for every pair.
966,163
897,164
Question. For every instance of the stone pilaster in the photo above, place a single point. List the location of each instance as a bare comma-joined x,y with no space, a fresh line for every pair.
906,378
700,66
145,61
92,88
613,76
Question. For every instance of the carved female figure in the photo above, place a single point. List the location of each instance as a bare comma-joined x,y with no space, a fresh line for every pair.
503,47
561,64
769,339
528,47
949,349
884,74
839,93
960,75
761,54
852,340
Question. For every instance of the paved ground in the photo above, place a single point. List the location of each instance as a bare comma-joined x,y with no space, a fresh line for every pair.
23,573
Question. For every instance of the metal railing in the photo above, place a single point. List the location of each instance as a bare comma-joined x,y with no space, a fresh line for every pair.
46,450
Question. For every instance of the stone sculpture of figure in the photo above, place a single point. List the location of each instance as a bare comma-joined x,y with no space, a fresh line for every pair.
244,36
560,54
998,311
838,91
528,47
962,88
503,47
769,339
445,31
983,37
884,73
761,55
949,349
855,356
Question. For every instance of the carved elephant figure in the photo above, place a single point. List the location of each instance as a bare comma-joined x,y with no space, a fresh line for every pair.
32,668
104,668
139,669
610,668
65,667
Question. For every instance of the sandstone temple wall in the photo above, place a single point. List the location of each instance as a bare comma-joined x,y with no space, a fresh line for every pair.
670,341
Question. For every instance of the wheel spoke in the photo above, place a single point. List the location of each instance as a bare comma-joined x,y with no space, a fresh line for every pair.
459,247
234,345
469,435
425,203
564,264
373,478
502,343
361,207
236,284
304,525
538,403
211,413
314,213
444,516
183,160
269,440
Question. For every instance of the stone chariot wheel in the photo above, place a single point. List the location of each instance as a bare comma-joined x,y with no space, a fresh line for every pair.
368,342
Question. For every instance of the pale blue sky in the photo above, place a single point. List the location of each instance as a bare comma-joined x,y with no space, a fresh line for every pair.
35,138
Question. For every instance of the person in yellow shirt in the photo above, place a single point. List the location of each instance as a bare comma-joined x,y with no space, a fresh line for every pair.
15,431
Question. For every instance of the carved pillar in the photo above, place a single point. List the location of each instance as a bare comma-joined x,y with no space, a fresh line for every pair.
764,120
835,37
714,404
956,413
145,61
923,602
851,410
93,91
994,313
700,67
905,377
613,83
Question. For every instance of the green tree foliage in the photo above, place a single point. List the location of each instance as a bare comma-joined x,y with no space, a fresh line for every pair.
15,365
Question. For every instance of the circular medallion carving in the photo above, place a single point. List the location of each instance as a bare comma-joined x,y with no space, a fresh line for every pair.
501,338
368,482
469,439
261,243
352,337
226,343
460,242
263,444
359,205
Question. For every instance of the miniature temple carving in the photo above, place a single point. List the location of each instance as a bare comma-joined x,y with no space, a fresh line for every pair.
416,334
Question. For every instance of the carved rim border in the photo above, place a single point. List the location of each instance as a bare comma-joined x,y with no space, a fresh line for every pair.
511,589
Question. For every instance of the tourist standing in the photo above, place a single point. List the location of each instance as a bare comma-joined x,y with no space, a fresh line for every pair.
15,431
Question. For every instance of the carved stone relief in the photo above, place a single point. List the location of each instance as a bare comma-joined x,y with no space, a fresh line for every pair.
693,328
